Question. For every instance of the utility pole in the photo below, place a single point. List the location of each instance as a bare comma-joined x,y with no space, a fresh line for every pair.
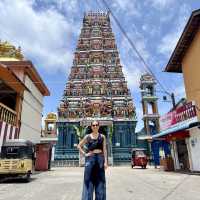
173,100
172,97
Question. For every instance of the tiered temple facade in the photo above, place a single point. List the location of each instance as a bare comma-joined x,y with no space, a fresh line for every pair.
97,90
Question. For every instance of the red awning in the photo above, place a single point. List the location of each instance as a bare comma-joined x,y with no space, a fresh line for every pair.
177,135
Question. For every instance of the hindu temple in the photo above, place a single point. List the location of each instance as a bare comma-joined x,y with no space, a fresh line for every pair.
96,89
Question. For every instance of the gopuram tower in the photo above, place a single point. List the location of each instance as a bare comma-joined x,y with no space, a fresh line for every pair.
96,90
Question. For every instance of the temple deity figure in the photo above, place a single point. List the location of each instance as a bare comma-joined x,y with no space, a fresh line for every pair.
88,111
96,109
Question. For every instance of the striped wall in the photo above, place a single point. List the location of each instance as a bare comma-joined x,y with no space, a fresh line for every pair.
7,132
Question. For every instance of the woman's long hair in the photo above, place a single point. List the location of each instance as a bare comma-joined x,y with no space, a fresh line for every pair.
89,128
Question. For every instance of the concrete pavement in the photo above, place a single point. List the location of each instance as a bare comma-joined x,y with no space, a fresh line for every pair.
123,183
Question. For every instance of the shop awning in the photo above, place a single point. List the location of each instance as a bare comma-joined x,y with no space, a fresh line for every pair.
178,127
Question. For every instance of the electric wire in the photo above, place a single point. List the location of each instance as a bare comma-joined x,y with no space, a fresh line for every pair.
147,68
130,42
132,45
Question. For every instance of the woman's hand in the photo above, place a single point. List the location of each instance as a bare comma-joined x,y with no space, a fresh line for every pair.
105,166
88,154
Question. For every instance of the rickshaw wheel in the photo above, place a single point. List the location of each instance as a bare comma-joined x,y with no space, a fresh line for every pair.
27,177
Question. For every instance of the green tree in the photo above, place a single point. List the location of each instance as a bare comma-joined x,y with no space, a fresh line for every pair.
80,132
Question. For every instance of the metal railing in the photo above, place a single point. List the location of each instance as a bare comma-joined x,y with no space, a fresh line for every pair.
7,115
65,163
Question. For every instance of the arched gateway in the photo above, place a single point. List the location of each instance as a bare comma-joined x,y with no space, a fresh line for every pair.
96,89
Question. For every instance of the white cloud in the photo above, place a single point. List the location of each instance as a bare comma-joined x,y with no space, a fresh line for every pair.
161,4
168,42
140,123
167,16
68,5
140,43
170,39
128,7
132,66
180,91
132,75
43,35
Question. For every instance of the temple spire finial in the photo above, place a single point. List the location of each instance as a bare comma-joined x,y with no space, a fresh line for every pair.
9,52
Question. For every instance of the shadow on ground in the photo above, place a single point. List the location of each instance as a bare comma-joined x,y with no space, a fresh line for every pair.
11,180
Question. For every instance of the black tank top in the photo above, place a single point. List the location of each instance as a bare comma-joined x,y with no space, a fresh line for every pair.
93,144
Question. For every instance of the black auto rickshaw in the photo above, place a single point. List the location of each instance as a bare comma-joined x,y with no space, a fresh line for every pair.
139,158
17,159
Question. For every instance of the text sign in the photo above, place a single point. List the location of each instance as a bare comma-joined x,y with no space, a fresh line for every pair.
181,114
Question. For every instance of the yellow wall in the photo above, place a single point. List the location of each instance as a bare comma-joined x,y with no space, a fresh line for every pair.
191,71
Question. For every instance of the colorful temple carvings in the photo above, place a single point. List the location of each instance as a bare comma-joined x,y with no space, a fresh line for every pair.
96,87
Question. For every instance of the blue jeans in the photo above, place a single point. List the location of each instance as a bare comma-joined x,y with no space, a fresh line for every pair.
94,178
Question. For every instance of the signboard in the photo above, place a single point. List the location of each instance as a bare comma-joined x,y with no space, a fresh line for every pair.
184,114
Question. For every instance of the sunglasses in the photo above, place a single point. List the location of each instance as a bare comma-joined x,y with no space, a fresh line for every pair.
95,125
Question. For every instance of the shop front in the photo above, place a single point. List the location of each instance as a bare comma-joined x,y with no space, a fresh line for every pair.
194,148
178,128
179,149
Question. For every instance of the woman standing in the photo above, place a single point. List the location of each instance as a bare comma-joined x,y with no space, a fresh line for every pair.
95,164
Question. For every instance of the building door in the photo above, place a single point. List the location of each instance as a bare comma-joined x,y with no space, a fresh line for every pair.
182,154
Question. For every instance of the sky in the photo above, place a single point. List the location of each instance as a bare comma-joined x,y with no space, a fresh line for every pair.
48,31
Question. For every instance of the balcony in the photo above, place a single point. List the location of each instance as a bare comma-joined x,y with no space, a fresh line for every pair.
149,97
7,115
151,116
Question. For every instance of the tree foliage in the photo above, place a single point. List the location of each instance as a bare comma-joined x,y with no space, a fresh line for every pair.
80,131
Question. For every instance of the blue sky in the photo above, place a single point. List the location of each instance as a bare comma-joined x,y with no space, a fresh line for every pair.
48,30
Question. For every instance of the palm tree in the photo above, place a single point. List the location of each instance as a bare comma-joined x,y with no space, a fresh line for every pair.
80,132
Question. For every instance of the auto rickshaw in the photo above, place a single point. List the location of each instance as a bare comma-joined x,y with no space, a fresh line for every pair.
139,158
17,159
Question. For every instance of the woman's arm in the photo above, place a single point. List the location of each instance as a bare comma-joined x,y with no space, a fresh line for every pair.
80,145
105,152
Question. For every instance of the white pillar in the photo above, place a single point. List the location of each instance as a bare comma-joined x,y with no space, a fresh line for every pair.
175,155
53,152
187,141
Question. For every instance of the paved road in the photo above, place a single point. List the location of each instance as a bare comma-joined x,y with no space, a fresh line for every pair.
123,183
